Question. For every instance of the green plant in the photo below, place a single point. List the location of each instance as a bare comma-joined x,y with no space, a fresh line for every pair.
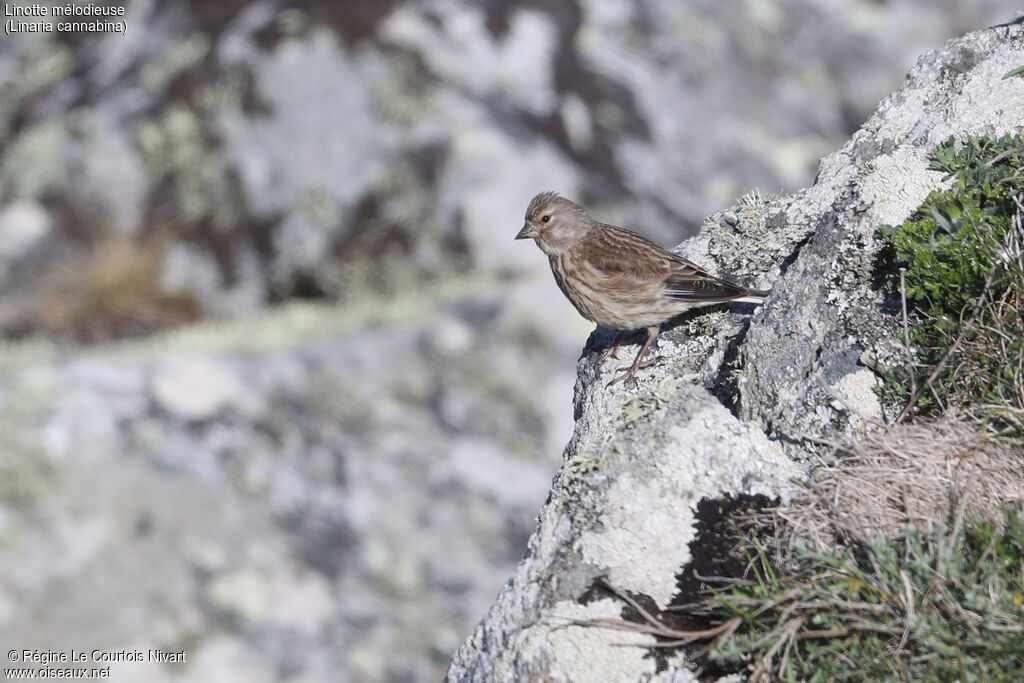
1014,72
964,279
938,605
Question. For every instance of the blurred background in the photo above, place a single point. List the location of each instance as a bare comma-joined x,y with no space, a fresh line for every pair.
277,388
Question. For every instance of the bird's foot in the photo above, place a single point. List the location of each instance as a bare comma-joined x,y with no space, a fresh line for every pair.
613,350
631,372
638,362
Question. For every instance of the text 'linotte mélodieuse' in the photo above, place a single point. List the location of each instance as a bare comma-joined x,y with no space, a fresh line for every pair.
69,10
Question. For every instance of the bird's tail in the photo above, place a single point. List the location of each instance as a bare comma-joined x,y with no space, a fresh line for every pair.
753,296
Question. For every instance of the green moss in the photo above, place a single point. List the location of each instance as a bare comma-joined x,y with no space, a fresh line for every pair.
298,322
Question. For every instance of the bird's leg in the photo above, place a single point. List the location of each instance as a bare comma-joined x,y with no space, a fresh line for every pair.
652,334
613,350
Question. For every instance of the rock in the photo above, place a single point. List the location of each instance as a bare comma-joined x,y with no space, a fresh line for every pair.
303,602
112,181
856,392
298,498
244,593
654,472
23,225
195,388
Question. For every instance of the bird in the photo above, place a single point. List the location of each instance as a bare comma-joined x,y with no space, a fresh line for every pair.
618,278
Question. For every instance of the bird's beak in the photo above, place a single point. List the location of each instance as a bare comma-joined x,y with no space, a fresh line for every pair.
528,231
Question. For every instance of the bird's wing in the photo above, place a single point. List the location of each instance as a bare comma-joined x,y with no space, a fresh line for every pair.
689,282
617,253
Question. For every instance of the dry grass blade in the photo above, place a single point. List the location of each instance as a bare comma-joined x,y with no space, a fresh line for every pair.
882,482
785,635
1002,155
906,331
631,602
715,635
908,603
660,630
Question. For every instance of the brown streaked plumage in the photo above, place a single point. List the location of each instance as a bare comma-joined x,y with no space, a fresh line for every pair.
617,278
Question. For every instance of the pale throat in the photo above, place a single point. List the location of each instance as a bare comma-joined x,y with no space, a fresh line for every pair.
547,248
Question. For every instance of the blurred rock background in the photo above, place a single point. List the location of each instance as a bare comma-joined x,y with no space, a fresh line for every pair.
276,386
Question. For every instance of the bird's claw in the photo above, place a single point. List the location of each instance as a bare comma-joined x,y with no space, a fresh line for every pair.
631,372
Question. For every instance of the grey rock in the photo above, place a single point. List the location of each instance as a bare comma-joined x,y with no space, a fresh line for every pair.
196,388
306,508
23,225
112,181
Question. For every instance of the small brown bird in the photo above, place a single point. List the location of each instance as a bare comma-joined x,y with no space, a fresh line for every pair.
617,278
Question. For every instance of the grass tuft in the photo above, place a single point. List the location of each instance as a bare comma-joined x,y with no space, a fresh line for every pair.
943,604
111,291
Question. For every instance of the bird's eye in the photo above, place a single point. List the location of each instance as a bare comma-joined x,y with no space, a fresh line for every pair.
545,218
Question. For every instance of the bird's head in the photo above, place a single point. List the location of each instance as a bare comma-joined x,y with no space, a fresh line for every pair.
554,222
